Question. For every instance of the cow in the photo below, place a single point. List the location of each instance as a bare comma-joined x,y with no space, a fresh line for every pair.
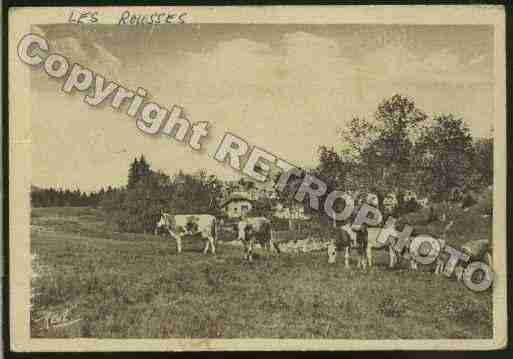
347,238
374,245
257,229
189,224
476,250
394,255
364,240
440,262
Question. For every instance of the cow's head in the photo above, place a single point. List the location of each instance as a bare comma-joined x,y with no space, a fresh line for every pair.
245,230
332,252
163,221
192,224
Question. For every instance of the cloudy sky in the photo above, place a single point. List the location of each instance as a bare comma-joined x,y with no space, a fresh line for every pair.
285,88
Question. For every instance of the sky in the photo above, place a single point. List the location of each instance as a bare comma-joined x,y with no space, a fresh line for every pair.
285,88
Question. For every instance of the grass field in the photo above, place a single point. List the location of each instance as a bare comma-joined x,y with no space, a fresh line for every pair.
137,286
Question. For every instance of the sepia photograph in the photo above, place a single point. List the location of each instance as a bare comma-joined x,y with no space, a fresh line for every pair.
257,178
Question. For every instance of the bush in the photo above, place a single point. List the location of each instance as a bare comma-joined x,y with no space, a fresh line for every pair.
137,209
407,207
484,204
468,201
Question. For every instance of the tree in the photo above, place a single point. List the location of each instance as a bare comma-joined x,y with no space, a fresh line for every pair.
356,136
389,159
333,169
143,168
444,154
133,173
138,170
483,161
377,155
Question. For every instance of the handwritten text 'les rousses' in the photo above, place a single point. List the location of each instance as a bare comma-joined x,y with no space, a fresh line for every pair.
129,18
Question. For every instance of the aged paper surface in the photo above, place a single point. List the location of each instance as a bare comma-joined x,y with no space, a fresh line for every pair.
210,178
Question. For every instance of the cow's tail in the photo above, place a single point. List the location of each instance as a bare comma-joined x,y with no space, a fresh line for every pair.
215,229
266,234
267,230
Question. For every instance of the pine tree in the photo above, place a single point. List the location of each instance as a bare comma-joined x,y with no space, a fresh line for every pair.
144,168
133,173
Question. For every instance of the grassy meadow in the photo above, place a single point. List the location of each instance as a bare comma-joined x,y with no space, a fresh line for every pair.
137,286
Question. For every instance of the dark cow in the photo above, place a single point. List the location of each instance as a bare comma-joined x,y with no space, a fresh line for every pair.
257,229
355,237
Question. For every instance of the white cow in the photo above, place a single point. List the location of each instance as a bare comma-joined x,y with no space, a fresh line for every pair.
190,224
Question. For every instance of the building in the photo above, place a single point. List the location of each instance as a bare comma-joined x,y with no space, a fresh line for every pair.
252,190
236,206
294,211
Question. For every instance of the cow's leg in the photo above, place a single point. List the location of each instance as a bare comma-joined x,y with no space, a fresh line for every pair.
274,245
392,256
178,244
212,244
332,253
369,256
263,244
437,266
413,264
246,250
458,271
250,251
207,243
178,239
346,257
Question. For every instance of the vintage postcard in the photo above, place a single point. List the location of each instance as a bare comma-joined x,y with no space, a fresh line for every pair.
257,178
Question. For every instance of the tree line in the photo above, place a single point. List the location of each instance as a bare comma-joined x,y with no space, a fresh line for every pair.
399,149
58,197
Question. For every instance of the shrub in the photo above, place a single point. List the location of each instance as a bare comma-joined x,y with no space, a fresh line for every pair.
484,204
468,201
407,207
137,209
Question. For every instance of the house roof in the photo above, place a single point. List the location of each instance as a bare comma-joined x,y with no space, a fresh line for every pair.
235,198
